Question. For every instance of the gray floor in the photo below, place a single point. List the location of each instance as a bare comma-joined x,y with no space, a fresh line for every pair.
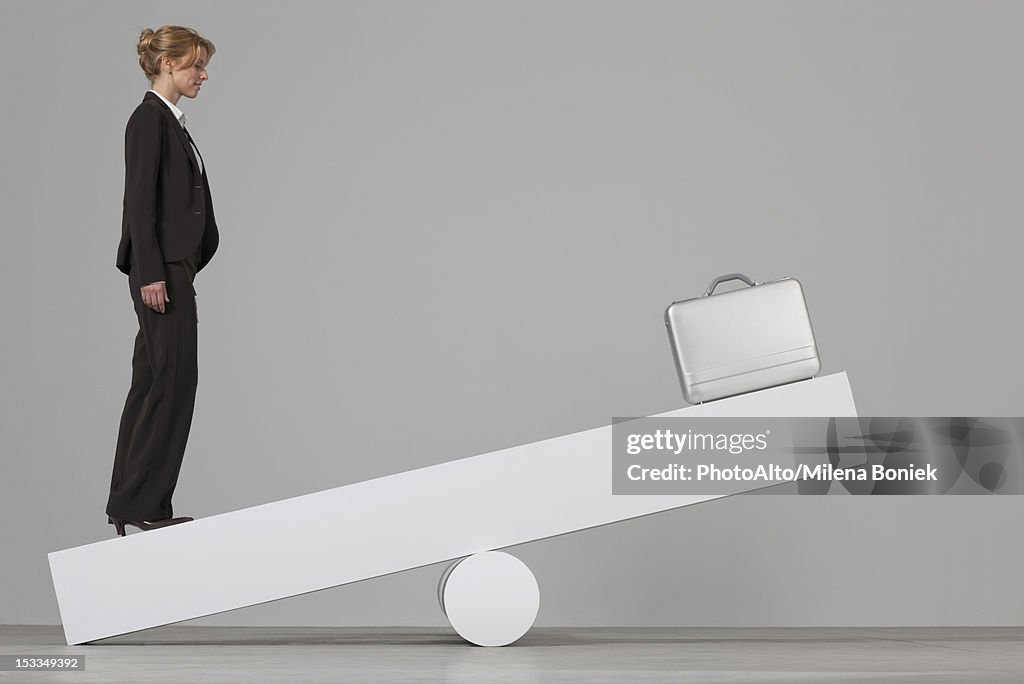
607,654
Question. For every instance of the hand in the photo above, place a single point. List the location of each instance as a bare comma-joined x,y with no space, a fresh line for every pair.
154,296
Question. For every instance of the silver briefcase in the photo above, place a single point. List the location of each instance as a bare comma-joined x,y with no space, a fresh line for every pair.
741,340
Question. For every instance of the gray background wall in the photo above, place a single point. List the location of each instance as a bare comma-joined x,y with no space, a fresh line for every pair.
453,227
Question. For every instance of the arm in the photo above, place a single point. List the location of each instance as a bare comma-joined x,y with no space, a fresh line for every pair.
142,143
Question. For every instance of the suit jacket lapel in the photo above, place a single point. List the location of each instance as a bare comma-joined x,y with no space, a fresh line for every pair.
194,148
178,130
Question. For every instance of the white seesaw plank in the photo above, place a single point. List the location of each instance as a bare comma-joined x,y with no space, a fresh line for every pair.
364,530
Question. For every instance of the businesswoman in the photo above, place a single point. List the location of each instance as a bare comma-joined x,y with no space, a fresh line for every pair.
168,234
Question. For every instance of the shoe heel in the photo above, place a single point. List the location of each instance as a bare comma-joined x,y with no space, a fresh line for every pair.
119,526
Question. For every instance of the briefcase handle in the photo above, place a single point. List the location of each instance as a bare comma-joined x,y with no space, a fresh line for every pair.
728,276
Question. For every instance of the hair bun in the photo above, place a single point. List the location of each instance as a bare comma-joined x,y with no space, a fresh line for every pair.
145,38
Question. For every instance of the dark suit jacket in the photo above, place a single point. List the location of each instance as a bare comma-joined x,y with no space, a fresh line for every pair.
167,207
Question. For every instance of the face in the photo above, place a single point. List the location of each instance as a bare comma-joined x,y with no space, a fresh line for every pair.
188,81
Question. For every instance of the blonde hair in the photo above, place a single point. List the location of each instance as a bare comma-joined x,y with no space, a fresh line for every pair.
176,42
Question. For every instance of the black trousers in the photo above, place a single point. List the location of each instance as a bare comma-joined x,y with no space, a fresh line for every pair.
157,414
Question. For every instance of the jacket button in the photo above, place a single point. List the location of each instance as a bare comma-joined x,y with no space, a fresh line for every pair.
198,186
199,212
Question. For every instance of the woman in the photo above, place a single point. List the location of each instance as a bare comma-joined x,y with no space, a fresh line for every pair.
168,234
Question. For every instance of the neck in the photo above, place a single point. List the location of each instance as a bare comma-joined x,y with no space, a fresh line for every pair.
171,94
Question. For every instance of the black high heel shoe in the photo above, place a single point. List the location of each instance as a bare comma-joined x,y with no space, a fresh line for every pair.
145,524
118,525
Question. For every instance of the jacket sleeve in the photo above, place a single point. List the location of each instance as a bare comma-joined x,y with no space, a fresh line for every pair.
142,143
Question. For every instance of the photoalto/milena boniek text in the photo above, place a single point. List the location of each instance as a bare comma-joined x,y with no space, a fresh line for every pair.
848,455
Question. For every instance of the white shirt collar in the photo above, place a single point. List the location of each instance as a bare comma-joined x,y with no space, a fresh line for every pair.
178,114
